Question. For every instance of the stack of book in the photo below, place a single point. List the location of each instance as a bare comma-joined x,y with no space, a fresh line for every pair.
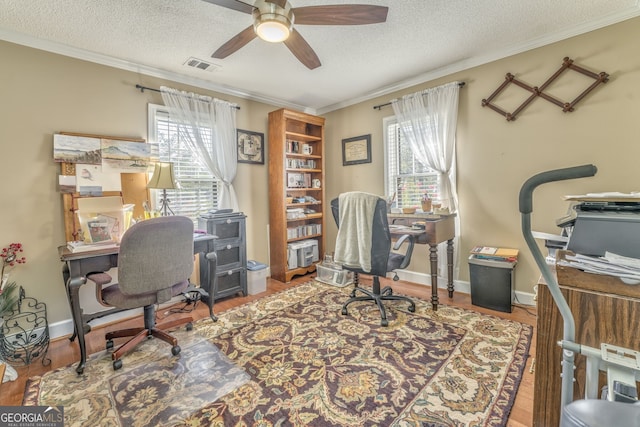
496,254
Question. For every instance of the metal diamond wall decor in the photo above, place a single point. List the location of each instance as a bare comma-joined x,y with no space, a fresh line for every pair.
567,107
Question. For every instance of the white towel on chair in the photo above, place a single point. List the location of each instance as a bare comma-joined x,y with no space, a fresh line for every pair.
353,243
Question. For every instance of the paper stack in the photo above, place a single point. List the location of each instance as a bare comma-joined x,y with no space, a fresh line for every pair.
80,246
496,254
627,269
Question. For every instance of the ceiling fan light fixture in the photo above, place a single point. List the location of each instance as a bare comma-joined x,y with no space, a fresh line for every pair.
273,31
272,23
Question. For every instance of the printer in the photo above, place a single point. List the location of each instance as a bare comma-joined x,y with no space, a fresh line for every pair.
302,253
599,227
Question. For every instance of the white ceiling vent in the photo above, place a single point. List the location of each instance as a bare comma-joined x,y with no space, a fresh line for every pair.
202,65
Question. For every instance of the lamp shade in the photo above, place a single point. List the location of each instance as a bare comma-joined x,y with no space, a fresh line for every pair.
163,177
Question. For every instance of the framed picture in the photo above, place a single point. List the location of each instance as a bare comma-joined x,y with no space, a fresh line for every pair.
356,150
250,147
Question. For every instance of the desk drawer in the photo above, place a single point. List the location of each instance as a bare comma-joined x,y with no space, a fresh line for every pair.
231,255
224,228
231,282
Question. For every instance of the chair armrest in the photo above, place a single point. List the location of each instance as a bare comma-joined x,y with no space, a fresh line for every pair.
101,279
407,255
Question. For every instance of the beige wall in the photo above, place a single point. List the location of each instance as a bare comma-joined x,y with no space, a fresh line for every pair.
495,156
44,93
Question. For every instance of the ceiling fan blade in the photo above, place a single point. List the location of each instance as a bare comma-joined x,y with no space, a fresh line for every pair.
240,6
343,14
301,49
236,42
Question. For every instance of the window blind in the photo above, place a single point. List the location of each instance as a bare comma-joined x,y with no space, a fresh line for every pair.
198,188
406,176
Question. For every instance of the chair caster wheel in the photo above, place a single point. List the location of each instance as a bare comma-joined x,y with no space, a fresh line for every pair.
175,350
344,311
412,309
384,322
117,364
109,345
189,326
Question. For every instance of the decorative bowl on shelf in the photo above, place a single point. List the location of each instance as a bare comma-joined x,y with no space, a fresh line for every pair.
409,210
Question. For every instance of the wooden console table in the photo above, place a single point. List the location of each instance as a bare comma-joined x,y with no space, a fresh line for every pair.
438,229
605,311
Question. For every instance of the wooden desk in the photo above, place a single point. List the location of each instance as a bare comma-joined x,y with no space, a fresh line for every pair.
78,265
605,310
437,230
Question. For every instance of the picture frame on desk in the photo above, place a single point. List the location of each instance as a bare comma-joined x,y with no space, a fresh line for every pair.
250,147
356,150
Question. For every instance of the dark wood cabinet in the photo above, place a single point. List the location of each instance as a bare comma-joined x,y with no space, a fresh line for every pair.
605,310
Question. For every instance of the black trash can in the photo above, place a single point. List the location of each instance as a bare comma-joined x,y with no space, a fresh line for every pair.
492,283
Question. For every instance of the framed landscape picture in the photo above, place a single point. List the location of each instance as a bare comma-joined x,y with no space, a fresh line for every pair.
250,147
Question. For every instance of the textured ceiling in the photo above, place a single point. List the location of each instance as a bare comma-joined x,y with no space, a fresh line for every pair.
421,40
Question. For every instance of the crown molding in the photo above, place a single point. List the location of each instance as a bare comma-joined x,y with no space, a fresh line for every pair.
85,55
72,52
468,63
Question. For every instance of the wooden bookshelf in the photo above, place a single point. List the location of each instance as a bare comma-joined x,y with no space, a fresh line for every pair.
296,171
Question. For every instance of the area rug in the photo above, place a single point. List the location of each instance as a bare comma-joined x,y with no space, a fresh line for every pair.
151,389
311,366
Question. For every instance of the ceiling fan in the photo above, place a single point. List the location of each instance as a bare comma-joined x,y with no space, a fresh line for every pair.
273,21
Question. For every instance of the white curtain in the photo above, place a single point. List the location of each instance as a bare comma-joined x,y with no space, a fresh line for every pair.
208,125
427,120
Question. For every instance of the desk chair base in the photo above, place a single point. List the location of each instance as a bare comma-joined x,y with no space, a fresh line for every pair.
375,294
140,334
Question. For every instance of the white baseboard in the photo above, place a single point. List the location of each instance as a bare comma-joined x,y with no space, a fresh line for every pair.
65,327
523,298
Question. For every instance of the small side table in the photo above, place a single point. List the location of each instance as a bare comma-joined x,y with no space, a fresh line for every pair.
24,334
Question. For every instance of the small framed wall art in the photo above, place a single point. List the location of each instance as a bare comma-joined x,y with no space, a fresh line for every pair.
250,147
356,150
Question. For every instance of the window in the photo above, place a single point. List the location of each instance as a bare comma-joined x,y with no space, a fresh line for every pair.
405,175
198,191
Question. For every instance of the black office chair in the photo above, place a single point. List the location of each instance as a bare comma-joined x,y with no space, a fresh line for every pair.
155,262
382,259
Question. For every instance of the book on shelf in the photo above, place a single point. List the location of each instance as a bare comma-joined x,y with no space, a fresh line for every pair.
498,254
80,246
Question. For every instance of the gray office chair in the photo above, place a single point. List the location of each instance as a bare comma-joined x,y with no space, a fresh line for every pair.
383,260
155,261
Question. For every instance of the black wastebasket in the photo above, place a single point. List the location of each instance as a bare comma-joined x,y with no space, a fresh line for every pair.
492,283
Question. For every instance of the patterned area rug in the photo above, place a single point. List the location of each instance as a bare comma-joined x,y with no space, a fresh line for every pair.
311,366
151,389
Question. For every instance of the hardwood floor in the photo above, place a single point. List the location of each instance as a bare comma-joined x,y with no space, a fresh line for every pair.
62,352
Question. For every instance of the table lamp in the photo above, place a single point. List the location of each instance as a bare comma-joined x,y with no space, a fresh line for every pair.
163,179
